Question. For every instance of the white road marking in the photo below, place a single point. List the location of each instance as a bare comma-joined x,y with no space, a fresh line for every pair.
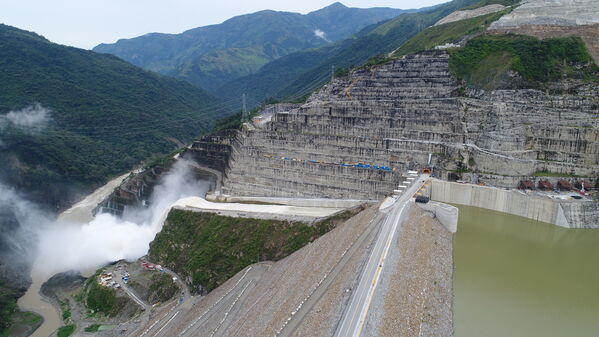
215,303
355,316
164,326
230,308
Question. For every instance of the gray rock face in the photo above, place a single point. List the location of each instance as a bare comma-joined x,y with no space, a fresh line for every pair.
394,115
62,282
551,12
471,13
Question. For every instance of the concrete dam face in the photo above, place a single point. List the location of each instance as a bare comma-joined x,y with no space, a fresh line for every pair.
356,136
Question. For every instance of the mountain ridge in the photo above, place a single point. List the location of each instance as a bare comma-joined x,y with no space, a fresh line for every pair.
78,93
297,74
209,56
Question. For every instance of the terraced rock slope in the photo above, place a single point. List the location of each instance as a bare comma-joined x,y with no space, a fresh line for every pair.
554,18
395,115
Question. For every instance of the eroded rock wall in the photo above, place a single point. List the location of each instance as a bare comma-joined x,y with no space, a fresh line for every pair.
554,18
470,13
551,12
396,116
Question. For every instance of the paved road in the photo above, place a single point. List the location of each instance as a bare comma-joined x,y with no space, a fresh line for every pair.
297,319
354,317
185,292
118,274
183,320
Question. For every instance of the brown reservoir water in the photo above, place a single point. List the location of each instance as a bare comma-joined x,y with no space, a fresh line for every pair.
515,277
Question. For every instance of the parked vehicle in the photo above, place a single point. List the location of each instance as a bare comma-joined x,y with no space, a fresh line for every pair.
422,199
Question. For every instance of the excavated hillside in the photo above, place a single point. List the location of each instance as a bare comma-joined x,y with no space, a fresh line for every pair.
554,18
354,137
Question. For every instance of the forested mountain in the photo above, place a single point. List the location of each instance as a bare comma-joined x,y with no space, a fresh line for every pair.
71,118
297,74
213,55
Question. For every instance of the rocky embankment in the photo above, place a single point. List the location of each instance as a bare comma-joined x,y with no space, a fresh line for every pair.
551,12
354,137
306,293
470,13
554,18
416,296
135,191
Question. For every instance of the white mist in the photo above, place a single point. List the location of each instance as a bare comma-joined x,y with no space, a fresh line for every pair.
108,238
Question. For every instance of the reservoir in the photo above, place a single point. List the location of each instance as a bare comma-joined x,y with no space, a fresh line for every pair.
522,278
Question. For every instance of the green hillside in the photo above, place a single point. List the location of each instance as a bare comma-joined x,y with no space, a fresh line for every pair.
213,55
484,62
207,249
103,115
447,33
297,74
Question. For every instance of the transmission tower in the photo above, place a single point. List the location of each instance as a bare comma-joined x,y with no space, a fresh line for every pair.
244,111
332,73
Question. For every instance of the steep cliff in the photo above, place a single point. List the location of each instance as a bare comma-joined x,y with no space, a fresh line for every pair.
354,137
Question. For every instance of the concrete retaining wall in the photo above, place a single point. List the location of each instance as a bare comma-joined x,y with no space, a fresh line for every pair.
561,213
446,214
253,215
322,203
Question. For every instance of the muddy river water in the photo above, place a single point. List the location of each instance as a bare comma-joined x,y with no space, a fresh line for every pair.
513,276
518,277
32,300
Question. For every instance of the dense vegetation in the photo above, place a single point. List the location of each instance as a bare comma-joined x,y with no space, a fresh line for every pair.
92,328
229,122
447,33
8,306
159,287
105,116
66,331
486,60
100,299
24,322
209,249
162,288
103,300
213,55
293,76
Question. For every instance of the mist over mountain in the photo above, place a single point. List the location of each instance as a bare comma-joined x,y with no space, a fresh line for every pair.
213,55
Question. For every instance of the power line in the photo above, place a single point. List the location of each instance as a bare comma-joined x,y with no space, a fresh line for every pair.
124,129
219,106
332,72
244,111
309,87
204,114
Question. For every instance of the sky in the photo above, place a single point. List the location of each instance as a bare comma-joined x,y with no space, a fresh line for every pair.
87,23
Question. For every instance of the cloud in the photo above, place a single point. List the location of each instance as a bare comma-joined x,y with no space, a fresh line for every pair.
19,219
108,238
28,234
30,119
319,33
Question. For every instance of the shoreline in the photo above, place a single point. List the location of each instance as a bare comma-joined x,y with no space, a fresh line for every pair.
33,300
572,214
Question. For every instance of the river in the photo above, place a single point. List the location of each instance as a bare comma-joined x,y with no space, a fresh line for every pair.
32,300
519,277
93,242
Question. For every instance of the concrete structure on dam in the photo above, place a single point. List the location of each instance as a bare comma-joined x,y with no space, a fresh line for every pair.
355,137
563,213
